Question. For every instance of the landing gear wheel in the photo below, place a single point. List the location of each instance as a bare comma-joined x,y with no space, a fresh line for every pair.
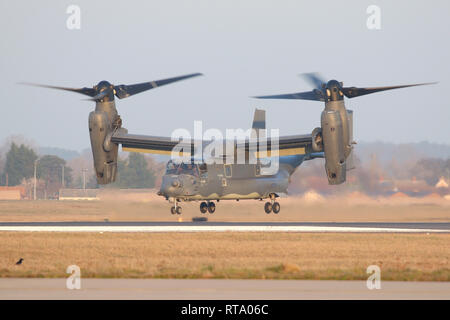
203,207
276,207
179,210
211,207
268,207
173,210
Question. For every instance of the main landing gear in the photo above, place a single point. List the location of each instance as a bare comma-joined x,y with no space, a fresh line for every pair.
272,206
207,207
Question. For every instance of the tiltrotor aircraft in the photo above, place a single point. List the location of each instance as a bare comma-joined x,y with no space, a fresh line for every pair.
199,180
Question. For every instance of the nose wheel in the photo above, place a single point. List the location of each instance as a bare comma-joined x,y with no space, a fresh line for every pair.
176,209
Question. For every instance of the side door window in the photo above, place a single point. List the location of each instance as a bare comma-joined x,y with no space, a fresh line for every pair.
203,172
258,169
227,170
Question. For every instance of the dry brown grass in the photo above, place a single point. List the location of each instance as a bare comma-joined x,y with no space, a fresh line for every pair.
149,207
227,255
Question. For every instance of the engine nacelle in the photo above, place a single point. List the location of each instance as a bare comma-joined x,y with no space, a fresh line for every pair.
334,146
350,162
102,123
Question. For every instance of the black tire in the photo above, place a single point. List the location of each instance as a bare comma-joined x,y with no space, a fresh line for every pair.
276,207
203,207
268,207
211,207
179,210
172,210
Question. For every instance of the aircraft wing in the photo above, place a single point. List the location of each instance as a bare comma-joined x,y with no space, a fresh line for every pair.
147,144
297,144
287,145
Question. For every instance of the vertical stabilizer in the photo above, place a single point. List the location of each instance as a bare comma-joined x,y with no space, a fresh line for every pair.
259,122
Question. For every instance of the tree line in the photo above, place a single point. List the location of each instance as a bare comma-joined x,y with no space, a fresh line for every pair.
53,173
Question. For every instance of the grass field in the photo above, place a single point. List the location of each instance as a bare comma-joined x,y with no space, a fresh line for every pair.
418,257
228,255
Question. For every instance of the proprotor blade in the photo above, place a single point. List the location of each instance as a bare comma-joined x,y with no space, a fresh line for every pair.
315,95
352,92
86,91
124,91
314,78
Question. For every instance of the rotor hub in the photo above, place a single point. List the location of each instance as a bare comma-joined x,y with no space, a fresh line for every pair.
334,90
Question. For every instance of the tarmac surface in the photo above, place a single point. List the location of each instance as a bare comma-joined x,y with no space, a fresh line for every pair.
212,289
204,226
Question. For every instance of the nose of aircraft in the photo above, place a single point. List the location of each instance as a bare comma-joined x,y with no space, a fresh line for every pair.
175,183
171,186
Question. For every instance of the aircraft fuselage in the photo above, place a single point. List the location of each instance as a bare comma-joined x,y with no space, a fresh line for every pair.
227,181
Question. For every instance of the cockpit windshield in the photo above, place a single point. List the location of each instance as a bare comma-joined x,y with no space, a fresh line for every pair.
182,168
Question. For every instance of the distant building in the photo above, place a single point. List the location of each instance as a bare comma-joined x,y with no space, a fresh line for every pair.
413,187
441,183
78,194
12,193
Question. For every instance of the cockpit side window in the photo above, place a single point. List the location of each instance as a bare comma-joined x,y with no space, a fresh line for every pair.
171,168
203,171
202,168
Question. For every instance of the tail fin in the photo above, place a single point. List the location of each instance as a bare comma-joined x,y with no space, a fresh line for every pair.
259,121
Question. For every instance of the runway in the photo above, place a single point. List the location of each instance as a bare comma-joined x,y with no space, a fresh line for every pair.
137,226
209,289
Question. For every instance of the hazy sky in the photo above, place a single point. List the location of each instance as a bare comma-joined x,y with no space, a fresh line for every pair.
244,48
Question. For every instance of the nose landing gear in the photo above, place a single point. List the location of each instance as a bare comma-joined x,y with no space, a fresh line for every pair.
176,209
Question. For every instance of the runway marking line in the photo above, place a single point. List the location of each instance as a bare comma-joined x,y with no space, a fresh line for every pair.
160,229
